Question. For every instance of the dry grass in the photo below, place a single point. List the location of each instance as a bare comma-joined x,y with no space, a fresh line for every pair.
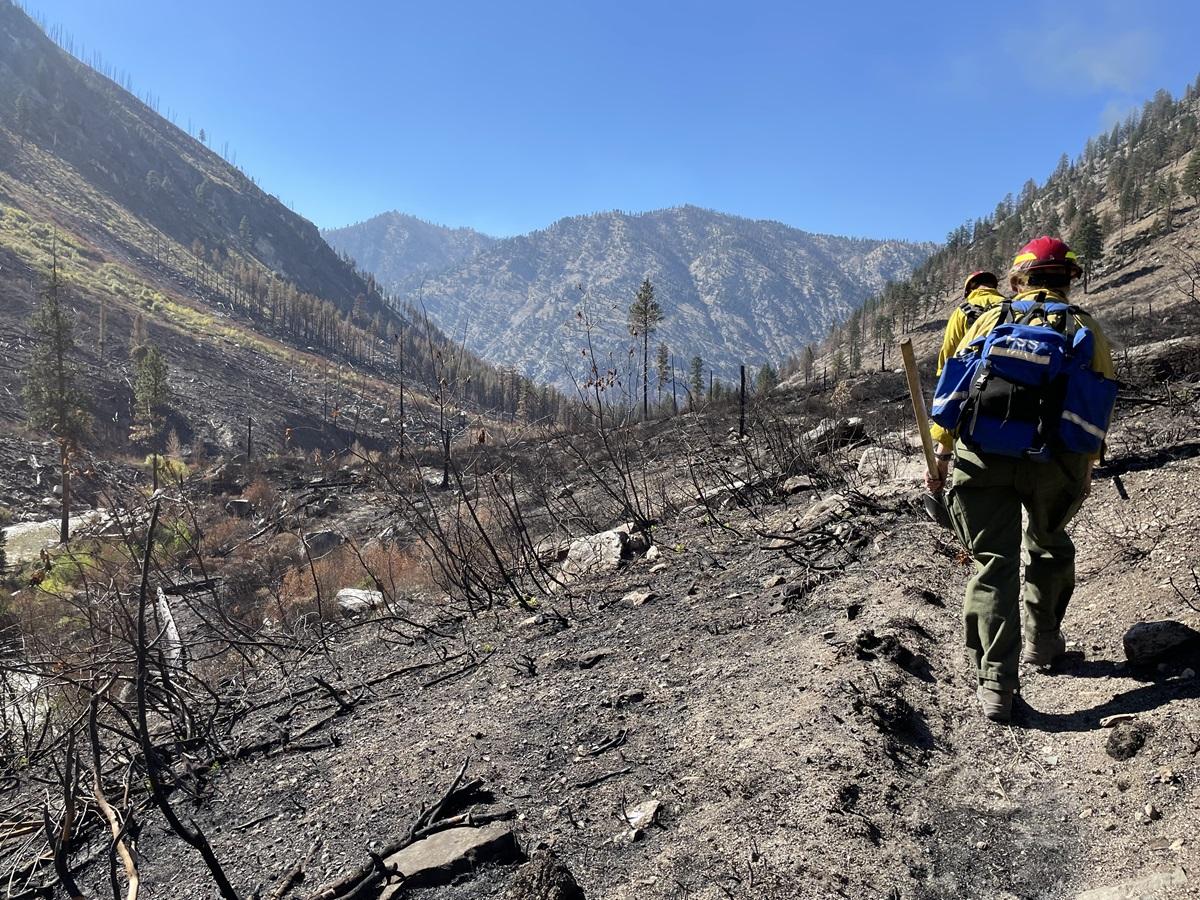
391,569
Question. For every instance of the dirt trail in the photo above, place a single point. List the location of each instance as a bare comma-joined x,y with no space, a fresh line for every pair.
26,540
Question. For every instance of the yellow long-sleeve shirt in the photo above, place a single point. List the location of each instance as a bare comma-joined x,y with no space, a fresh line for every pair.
1101,353
984,298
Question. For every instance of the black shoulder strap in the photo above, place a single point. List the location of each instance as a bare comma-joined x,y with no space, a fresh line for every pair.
970,311
1036,310
1005,311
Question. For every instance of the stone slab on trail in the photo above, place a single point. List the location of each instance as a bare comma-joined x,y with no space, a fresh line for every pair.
439,857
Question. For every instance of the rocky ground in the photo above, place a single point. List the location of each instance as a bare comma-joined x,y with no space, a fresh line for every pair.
770,703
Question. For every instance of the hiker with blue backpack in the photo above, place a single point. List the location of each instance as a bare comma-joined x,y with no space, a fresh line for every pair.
1022,407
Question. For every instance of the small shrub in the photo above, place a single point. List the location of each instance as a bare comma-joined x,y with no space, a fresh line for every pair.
262,494
398,571
169,469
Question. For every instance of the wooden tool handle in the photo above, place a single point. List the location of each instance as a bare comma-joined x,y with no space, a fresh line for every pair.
918,402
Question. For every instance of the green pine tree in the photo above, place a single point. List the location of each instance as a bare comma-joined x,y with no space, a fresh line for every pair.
766,379
1087,238
53,402
645,314
151,392
662,366
1190,183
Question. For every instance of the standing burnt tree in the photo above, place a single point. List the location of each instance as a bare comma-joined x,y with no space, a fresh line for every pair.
52,400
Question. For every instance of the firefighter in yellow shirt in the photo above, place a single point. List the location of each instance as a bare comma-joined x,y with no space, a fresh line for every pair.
985,500
979,293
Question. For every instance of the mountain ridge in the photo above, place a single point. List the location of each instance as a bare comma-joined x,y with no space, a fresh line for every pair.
734,290
395,246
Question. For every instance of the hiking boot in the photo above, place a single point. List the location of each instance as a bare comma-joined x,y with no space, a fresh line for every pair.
1044,649
996,705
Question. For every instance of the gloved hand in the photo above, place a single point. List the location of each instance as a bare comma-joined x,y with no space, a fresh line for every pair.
938,484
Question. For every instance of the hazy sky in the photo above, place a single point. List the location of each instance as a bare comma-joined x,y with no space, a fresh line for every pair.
875,119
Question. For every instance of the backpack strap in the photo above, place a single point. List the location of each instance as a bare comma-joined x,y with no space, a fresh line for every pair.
1006,306
970,311
1036,310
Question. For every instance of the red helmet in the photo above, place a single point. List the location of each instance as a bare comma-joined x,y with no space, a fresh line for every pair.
981,278
1046,253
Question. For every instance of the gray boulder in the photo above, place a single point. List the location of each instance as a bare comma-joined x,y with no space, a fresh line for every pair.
833,433
604,552
243,509
354,601
322,543
885,464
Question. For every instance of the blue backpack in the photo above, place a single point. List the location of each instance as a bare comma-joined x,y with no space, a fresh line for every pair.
1026,389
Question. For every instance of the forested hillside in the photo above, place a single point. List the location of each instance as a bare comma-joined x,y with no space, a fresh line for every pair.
1127,204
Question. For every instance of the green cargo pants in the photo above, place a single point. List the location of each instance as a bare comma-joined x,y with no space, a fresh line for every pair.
986,495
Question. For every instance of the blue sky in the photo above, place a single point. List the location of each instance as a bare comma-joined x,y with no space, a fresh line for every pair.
873,119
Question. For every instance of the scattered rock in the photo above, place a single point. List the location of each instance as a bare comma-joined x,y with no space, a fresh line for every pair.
592,657
659,567
1126,740
653,554
885,464
796,484
543,878
605,551
639,598
438,858
774,581
624,699
595,553
353,601
1139,888
643,815
823,513
1147,643
852,611
1110,721
322,543
243,509
832,433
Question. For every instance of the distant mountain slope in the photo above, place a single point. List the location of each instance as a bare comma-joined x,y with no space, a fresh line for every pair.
243,295
115,171
396,247
733,290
